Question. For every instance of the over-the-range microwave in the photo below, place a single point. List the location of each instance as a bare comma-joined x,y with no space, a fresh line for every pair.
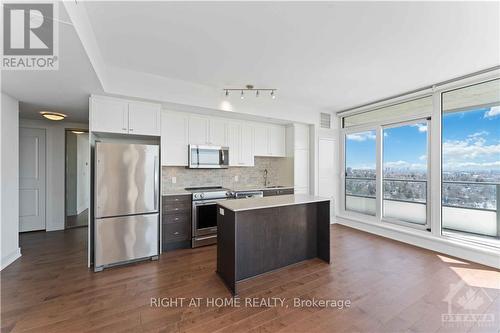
208,157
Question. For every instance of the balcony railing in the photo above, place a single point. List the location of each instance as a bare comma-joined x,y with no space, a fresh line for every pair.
455,217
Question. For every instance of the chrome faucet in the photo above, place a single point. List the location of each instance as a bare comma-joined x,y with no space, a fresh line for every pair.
265,177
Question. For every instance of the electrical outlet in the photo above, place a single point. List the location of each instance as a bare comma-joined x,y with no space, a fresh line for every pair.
236,178
174,180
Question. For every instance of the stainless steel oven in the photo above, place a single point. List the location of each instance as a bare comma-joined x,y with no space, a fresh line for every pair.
208,157
204,214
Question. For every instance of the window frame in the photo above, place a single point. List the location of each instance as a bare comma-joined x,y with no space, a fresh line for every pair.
434,202
345,133
438,109
392,220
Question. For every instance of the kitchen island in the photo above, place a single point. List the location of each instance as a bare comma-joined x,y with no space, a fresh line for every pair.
258,235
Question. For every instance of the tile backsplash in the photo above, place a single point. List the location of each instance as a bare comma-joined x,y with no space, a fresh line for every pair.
280,172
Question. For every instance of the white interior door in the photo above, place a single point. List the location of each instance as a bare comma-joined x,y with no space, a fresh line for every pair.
326,171
31,179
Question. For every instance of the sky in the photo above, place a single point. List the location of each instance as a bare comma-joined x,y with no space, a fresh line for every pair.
471,141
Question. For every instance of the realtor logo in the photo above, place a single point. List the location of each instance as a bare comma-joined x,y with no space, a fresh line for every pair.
466,307
29,36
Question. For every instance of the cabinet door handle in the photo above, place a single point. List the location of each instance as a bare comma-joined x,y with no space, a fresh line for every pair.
124,128
131,129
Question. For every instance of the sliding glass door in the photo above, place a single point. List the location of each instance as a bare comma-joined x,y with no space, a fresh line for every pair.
404,173
471,161
360,175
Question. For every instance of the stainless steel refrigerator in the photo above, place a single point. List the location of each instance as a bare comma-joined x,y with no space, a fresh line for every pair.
126,206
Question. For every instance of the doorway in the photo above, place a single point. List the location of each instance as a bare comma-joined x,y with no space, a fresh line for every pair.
32,179
77,178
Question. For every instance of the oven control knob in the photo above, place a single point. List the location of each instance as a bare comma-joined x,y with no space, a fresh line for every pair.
202,195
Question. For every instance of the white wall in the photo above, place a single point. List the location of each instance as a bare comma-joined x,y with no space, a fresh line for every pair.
9,180
55,139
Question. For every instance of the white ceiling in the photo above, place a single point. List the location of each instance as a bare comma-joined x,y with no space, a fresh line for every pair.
325,54
65,90
319,55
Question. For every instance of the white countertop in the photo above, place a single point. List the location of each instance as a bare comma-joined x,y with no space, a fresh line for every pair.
238,205
258,188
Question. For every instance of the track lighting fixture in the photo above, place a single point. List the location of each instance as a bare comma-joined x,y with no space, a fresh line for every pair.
250,87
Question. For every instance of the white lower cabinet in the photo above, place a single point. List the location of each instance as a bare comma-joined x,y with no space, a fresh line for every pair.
174,139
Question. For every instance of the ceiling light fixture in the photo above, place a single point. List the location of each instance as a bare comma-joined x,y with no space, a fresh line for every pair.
53,115
78,132
251,88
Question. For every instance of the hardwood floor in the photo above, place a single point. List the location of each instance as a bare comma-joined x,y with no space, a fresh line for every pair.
80,220
392,287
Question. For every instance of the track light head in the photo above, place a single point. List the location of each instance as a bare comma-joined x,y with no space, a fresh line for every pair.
242,96
273,96
257,94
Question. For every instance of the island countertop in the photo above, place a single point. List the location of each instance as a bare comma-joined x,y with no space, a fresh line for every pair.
268,202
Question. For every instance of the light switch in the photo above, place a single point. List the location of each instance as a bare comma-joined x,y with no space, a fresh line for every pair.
174,180
236,178
221,211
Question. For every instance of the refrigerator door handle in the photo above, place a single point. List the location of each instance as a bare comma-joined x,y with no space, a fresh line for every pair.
156,177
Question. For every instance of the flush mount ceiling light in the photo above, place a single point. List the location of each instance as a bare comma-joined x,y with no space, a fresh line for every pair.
250,88
53,115
78,132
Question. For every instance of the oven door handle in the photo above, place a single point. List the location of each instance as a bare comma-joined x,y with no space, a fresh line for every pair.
200,203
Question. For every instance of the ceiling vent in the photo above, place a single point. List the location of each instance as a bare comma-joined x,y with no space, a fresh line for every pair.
325,120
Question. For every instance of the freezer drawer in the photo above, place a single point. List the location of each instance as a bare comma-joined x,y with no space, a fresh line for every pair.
125,238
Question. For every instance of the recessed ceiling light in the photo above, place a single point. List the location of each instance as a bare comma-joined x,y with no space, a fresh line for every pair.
53,115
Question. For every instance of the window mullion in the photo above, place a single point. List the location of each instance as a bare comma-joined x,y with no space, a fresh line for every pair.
435,165
379,172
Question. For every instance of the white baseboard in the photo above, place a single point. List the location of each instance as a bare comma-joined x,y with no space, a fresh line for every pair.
485,256
10,258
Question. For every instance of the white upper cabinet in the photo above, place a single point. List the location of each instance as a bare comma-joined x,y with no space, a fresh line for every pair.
269,140
233,142
108,115
246,145
144,118
240,143
261,140
198,130
277,141
217,132
174,139
114,115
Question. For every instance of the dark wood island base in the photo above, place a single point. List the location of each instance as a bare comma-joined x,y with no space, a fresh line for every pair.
260,235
